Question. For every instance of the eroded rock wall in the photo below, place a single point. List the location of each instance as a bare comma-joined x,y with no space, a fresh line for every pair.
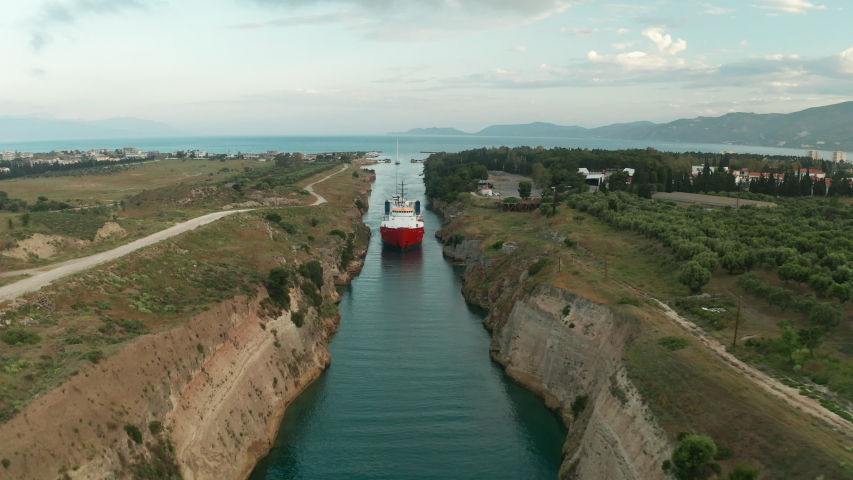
219,385
563,357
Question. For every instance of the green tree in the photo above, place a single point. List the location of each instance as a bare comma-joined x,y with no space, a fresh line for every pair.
708,260
825,315
694,275
524,189
541,176
820,283
842,291
618,181
25,219
811,338
735,260
692,456
278,287
10,224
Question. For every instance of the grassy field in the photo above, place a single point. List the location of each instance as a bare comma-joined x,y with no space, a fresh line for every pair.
108,188
94,313
690,390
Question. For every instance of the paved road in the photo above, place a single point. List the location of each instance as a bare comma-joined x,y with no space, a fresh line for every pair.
48,274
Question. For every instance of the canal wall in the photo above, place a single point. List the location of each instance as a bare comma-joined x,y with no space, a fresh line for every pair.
568,349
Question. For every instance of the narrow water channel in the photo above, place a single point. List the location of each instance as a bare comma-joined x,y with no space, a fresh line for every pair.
411,392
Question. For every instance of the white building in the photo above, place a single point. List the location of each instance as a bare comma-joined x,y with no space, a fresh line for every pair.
697,169
9,155
839,157
132,152
815,154
199,154
5,170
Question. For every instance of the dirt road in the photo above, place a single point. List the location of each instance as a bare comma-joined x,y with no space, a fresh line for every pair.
48,274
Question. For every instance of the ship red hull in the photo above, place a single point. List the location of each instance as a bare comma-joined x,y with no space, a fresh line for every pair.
402,238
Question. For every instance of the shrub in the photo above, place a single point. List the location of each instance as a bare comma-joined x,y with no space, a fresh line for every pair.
694,276
289,228
278,287
155,427
724,452
667,464
311,292
569,242
20,336
538,266
134,433
692,456
456,239
742,472
360,205
339,233
298,318
579,404
313,271
5,462
93,356
673,343
567,310
579,218
314,222
497,245
200,348
273,217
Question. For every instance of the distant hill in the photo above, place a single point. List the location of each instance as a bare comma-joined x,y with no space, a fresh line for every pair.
28,129
820,128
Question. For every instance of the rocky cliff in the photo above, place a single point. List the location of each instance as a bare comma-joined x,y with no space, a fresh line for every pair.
205,398
568,349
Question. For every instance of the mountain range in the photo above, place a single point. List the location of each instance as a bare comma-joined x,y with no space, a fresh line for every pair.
820,128
34,128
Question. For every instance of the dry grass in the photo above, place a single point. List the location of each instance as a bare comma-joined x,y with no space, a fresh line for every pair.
107,188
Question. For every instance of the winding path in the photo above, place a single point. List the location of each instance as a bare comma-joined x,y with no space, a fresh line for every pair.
48,274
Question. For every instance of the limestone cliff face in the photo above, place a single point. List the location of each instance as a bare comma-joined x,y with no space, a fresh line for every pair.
218,384
563,357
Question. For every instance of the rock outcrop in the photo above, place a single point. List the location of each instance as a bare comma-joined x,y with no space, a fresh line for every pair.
568,349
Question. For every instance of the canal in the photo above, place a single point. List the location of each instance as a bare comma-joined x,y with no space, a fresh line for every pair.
412,392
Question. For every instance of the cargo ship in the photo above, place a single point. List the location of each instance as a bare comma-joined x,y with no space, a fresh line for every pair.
402,225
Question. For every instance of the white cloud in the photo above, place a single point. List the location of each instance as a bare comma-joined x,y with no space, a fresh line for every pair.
622,31
664,43
579,32
846,61
784,84
520,48
622,46
715,10
790,6
744,43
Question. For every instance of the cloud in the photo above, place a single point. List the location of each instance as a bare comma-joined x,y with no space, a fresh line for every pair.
666,22
663,42
845,61
790,6
422,20
57,13
622,31
659,55
298,21
520,49
744,43
579,32
715,10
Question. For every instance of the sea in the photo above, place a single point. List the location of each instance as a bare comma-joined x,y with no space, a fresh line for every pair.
410,146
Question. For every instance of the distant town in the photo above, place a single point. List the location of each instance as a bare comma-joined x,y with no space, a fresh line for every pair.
14,163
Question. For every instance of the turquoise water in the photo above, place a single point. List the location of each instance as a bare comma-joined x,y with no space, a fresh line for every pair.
411,392
410,147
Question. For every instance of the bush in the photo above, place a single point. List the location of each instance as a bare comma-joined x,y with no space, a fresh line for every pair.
339,233
579,404
742,472
155,427
456,239
311,292
497,245
724,452
134,433
298,318
569,242
673,343
667,464
567,310
6,463
538,266
692,456
694,276
278,287
20,336
312,271
273,217
200,348
93,356
289,228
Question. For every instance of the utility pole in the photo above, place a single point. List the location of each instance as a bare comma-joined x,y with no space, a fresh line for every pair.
737,321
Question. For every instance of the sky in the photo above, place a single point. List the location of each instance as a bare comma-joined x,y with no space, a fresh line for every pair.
294,67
